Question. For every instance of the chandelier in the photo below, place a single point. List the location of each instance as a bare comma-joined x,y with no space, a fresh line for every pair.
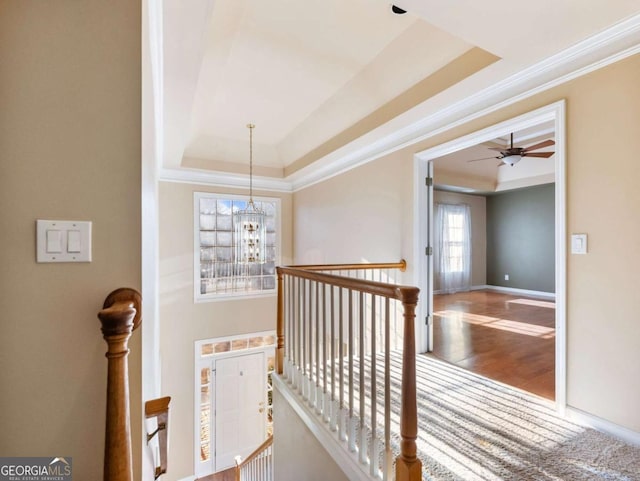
250,230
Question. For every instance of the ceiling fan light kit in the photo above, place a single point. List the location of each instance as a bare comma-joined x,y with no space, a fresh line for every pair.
513,155
511,159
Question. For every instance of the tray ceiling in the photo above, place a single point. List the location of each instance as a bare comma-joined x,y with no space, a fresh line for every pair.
321,77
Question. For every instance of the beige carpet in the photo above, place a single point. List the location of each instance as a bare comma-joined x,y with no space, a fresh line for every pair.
471,428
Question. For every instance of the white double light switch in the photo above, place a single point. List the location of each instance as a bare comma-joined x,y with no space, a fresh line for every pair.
63,241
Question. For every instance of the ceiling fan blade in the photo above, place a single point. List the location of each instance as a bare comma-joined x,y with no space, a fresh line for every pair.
499,149
546,155
540,145
484,158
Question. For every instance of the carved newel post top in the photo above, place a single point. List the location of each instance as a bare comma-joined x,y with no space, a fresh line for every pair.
121,313
117,319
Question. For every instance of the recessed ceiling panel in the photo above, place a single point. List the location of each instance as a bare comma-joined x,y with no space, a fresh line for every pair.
303,72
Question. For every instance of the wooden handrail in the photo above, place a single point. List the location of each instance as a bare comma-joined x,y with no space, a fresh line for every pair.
402,266
155,407
256,452
408,466
404,294
309,272
391,291
240,464
120,316
159,408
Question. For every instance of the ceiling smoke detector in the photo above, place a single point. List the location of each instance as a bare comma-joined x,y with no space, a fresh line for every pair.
397,10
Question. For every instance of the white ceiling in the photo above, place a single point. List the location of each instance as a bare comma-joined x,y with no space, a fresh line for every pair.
307,72
303,69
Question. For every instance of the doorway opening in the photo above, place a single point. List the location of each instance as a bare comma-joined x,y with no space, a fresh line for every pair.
491,303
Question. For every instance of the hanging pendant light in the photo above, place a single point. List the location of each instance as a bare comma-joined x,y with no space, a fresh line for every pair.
250,229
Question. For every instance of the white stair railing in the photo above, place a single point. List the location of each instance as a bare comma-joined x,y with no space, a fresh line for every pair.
258,466
334,345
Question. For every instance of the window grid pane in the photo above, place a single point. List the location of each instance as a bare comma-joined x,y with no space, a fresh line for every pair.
454,244
219,273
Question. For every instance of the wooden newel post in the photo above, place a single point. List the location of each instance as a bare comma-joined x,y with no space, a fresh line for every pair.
120,316
408,466
280,325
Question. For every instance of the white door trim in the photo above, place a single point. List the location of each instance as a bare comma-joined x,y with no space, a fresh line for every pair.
554,112
201,469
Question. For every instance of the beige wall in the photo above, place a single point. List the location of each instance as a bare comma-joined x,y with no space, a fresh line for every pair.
364,215
603,200
478,209
183,322
292,448
69,149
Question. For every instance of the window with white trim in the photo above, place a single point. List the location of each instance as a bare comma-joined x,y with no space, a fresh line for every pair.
452,253
217,274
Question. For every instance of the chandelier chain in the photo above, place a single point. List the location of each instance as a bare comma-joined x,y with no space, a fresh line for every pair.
251,127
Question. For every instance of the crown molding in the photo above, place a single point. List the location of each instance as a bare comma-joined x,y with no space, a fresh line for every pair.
223,179
612,45
524,121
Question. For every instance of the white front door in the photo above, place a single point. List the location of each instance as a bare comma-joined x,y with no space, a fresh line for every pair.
240,407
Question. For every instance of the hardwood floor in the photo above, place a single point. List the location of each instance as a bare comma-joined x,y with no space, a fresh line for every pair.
507,338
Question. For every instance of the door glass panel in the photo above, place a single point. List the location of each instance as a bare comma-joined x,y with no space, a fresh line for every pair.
238,344
214,348
271,363
205,414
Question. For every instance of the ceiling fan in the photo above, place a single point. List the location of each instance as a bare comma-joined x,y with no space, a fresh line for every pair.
513,155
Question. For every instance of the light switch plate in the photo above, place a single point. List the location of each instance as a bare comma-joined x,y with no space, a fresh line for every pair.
578,243
72,248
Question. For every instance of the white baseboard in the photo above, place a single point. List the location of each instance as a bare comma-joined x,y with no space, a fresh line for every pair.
510,290
517,292
599,424
188,478
472,288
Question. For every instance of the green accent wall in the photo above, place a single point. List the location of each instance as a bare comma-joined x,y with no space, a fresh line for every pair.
521,238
